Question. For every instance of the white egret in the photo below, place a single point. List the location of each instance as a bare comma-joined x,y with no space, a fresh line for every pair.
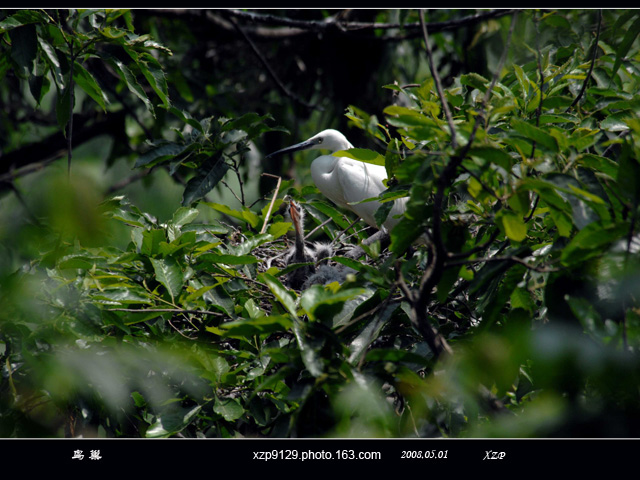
346,181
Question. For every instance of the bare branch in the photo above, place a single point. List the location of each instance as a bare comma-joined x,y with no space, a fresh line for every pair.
437,264
272,74
275,195
505,258
593,61
166,310
335,24
35,156
129,180
436,78
477,248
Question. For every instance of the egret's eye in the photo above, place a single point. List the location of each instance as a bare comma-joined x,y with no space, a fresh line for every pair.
320,140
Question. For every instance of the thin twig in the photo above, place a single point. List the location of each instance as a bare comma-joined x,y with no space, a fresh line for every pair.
593,61
273,200
166,310
345,230
368,313
477,248
501,258
349,27
70,88
129,180
533,209
232,192
436,78
272,74
482,184
541,73
318,227
437,343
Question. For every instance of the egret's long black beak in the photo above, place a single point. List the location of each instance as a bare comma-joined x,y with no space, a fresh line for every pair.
292,148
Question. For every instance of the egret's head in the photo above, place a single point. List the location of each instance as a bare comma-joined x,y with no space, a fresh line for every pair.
297,216
292,210
329,139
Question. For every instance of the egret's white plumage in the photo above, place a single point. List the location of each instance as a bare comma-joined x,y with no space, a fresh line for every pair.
346,181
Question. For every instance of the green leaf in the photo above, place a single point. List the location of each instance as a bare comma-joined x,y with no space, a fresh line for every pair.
20,18
599,164
628,174
39,86
132,83
536,134
81,261
216,297
172,422
229,408
399,116
474,80
359,346
279,229
245,214
151,240
169,274
122,295
562,221
187,118
585,312
256,326
113,33
164,151
404,234
590,241
228,259
285,297
86,81
152,71
205,179
184,215
392,157
512,225
363,155
587,195
622,50
52,59
63,109
396,356
493,155
24,49
547,192
310,357
521,298
319,301
253,124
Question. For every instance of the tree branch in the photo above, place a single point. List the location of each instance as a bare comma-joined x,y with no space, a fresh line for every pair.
38,155
165,310
508,258
593,61
436,78
270,71
333,24
433,272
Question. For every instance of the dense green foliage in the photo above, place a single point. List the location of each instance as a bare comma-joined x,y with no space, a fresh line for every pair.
155,302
